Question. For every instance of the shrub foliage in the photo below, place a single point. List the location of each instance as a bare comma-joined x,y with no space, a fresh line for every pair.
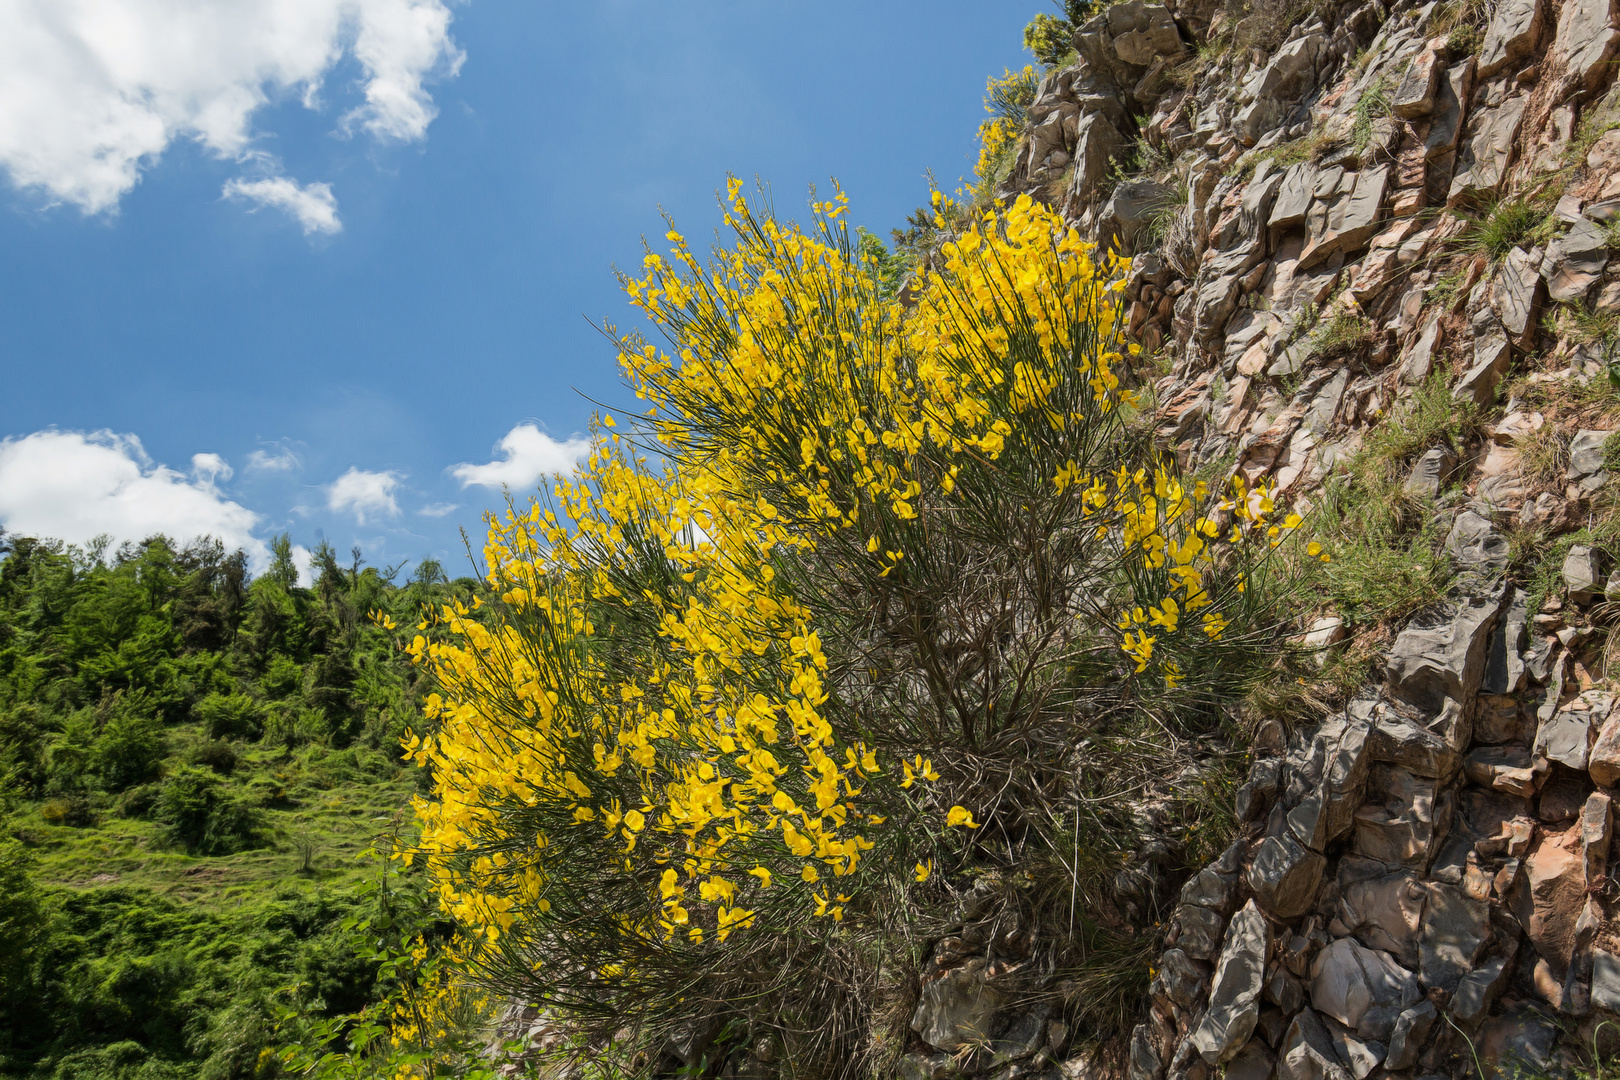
876,591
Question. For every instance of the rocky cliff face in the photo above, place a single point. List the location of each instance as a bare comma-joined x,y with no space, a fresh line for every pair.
1421,884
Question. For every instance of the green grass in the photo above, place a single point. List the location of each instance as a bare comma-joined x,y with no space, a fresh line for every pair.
325,801
1508,224
1388,562
1373,105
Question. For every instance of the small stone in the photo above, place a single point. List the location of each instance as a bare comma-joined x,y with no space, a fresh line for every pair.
1606,980
1412,1029
1546,983
1254,1062
1604,761
1479,989
1520,1038
1586,453
1597,821
1201,929
1429,474
957,1008
1505,768
1567,736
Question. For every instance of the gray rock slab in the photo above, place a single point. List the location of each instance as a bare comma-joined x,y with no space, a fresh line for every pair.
957,1008
1143,32
1414,97
1430,472
1586,453
1183,978
1254,1062
1412,1029
1293,198
1606,980
1492,353
1450,107
1505,668
1384,911
1512,36
1307,1051
1356,220
1576,261
1476,543
1418,361
1349,981
1516,294
1478,990
1441,654
1284,875
1567,736
1483,159
1587,41
1234,996
1201,931
1583,573
1456,929
1096,141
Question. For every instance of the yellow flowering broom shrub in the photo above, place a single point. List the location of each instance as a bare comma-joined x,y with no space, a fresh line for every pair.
864,571
1006,99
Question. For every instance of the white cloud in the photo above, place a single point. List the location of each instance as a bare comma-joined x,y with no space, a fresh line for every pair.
93,91
312,205
438,510
209,469
75,486
360,493
279,460
528,456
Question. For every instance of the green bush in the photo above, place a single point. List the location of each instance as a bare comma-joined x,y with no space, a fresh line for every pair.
204,817
229,716
131,747
282,677
24,735
216,754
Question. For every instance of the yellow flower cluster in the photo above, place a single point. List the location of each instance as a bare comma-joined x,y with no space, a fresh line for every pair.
994,136
1174,547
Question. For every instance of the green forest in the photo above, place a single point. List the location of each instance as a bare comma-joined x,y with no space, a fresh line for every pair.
195,767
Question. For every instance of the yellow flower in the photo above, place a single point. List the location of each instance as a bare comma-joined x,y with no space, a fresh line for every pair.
959,816
924,870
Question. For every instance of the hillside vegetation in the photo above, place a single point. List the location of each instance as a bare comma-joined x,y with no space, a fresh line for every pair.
194,767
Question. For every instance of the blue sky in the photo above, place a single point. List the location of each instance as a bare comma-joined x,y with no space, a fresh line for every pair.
438,292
